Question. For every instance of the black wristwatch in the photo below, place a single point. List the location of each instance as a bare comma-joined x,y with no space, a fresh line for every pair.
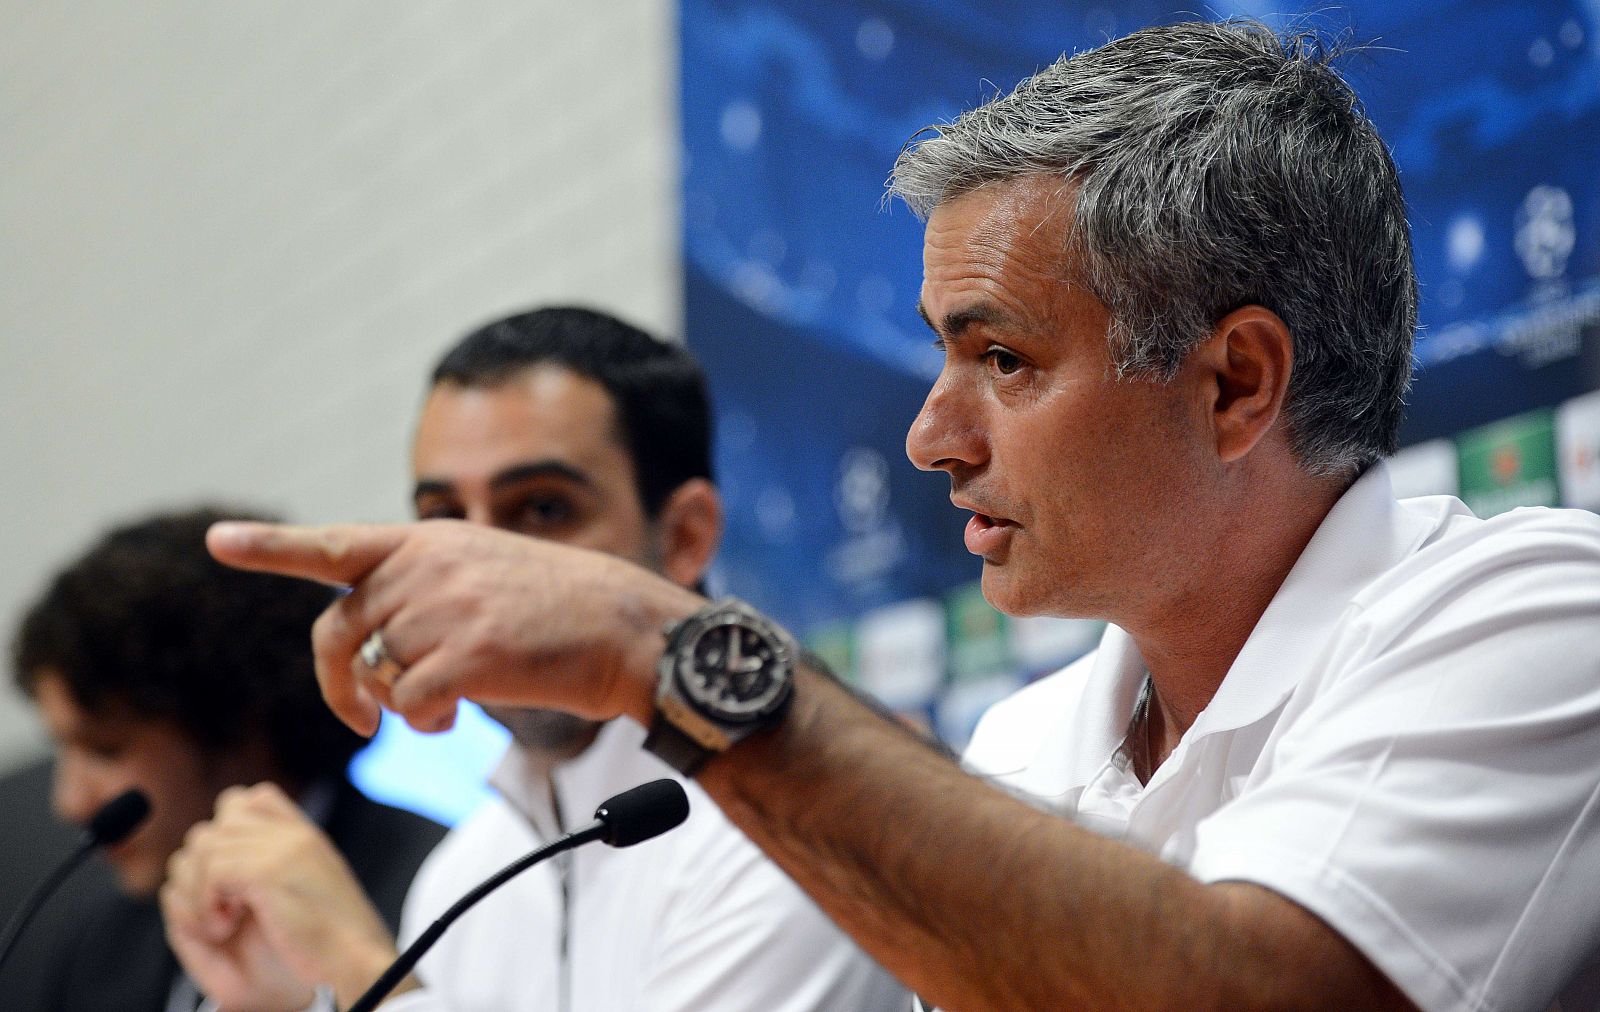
728,672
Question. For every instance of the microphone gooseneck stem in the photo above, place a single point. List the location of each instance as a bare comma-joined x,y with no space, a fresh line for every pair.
408,959
41,892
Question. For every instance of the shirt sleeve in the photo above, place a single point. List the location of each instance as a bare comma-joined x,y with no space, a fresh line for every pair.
1436,799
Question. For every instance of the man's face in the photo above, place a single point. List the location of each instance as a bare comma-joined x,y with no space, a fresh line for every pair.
100,755
1075,478
537,454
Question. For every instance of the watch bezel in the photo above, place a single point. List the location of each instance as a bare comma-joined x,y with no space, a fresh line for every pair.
687,635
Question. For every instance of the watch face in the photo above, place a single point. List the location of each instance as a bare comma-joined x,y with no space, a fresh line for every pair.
734,669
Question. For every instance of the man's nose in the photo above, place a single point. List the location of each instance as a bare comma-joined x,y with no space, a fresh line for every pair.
946,435
77,792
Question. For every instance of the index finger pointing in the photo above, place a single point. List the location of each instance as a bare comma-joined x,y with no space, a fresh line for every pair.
339,554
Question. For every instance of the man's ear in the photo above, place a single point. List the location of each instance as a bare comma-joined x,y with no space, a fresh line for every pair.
689,527
1247,362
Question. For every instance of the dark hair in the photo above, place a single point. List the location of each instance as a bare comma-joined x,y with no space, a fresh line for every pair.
148,622
659,391
1215,166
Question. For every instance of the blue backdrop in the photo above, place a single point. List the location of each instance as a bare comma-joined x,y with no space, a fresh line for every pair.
801,286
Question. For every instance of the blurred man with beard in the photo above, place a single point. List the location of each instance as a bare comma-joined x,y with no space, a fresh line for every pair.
565,425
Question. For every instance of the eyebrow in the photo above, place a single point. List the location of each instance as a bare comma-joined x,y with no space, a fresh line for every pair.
509,476
954,323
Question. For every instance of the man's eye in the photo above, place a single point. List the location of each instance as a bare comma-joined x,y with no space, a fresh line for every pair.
1004,362
544,512
105,751
439,511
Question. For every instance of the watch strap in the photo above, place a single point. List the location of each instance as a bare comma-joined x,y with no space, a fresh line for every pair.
669,743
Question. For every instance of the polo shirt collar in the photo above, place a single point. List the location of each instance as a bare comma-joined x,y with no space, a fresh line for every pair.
1101,721
1364,535
523,778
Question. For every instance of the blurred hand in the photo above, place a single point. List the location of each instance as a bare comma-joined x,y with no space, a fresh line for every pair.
470,612
259,907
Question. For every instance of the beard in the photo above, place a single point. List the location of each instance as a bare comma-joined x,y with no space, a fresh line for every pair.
546,732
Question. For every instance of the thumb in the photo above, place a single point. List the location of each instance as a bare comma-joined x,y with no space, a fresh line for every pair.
340,554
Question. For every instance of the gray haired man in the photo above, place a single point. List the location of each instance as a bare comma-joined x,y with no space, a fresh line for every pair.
1305,768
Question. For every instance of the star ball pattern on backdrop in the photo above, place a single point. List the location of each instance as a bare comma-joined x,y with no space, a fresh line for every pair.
801,286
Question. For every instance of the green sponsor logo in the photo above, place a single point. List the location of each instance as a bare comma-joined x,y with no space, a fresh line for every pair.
835,644
979,636
1509,463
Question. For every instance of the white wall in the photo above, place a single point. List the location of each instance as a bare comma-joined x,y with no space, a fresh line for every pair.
234,236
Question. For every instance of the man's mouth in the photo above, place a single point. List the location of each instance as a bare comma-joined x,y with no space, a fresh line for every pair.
988,536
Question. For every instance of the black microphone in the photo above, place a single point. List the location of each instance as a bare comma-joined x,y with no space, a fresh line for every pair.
631,817
639,814
117,819
112,823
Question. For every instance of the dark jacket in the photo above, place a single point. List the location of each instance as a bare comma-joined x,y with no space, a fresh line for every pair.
93,949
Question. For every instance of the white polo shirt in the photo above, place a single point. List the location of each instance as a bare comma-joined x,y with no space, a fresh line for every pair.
1408,745
697,920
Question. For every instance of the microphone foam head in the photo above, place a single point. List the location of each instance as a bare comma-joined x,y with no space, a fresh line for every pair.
642,812
119,817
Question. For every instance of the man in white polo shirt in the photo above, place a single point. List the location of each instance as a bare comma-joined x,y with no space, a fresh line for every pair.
568,426
1362,756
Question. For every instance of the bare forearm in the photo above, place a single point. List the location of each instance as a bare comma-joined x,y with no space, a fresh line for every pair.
968,895
978,901
915,859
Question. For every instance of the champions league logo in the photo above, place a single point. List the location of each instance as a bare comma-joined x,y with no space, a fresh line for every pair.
875,543
1545,232
862,492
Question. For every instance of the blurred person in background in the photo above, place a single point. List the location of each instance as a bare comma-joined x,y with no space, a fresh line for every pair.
32,838
570,426
153,667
